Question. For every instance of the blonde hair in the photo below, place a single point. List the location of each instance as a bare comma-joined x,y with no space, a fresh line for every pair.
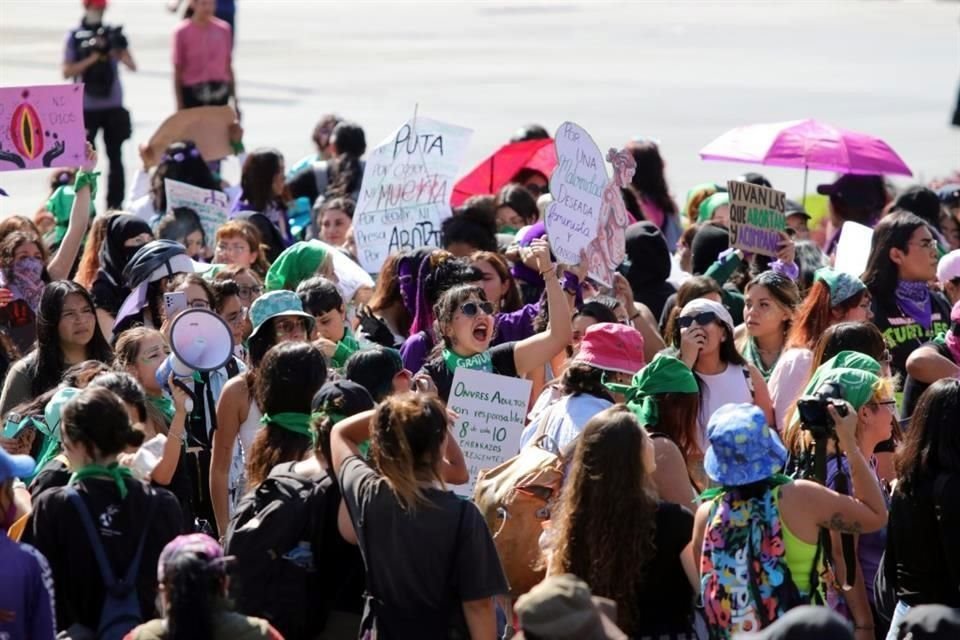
798,440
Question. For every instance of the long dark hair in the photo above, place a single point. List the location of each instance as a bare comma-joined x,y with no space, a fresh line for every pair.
50,365
606,519
648,179
346,171
932,443
679,413
259,170
97,419
387,293
580,378
862,337
194,586
181,162
290,374
893,232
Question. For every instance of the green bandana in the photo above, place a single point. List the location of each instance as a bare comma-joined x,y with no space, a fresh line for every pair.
294,422
777,480
711,204
164,405
298,262
480,362
842,285
846,360
858,385
664,374
347,346
113,470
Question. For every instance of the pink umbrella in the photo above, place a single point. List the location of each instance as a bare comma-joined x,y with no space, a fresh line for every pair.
807,144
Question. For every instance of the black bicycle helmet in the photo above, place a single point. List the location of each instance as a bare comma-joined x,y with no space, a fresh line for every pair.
152,256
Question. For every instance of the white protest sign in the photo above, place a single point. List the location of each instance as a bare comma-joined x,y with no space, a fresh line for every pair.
491,412
211,206
853,248
587,214
406,189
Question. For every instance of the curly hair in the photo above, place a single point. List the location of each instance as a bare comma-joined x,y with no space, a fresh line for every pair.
606,519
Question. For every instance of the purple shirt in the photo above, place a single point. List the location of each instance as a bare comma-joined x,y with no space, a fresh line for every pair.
511,327
94,103
26,592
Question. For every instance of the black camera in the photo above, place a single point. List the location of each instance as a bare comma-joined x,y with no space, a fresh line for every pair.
812,409
102,40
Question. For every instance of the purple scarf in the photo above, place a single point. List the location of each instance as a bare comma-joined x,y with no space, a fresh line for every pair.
914,300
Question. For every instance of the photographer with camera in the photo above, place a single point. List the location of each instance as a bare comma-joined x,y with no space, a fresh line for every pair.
851,377
92,56
755,512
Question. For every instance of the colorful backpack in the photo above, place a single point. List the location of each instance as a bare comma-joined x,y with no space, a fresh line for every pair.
746,583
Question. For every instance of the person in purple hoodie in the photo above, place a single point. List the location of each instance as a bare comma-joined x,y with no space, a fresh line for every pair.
26,583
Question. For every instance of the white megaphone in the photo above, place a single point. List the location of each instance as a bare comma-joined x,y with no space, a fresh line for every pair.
200,340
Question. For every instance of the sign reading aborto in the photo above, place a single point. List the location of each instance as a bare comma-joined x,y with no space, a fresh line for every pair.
756,217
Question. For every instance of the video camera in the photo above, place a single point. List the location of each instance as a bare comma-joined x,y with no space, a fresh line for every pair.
103,40
812,409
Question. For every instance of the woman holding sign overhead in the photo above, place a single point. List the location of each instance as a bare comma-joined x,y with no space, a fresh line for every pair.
465,322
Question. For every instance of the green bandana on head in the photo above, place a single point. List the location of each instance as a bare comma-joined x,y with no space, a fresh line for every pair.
843,286
843,360
709,206
858,385
664,374
116,472
297,263
480,362
292,421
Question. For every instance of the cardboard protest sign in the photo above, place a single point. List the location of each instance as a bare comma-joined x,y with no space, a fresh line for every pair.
42,127
756,217
853,248
212,206
491,412
587,215
405,193
207,127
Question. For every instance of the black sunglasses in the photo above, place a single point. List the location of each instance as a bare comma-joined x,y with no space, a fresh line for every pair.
703,319
470,309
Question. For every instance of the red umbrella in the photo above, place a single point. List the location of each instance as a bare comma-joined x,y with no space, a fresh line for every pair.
497,170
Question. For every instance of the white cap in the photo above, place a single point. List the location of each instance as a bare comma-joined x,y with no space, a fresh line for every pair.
949,267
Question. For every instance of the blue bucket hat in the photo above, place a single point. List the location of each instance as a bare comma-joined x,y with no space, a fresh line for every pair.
277,303
742,449
15,466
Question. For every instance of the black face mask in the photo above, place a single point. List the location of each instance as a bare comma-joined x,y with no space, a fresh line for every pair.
129,252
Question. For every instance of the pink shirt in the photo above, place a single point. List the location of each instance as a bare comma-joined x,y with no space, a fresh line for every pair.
202,52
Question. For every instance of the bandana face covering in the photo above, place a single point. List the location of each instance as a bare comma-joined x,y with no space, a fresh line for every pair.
914,300
27,281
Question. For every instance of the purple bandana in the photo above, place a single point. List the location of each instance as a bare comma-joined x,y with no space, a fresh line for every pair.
914,300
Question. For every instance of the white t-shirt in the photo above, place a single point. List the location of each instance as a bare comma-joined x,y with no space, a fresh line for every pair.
566,419
787,381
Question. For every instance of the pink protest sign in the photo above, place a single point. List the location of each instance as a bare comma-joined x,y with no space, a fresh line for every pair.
41,127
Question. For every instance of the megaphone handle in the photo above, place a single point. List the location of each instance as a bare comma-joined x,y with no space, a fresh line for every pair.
192,397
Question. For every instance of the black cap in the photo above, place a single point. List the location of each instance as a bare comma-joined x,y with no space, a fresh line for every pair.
921,201
949,195
342,397
709,242
856,190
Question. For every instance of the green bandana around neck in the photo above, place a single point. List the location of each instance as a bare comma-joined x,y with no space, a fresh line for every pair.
164,405
299,423
480,361
346,347
113,470
664,374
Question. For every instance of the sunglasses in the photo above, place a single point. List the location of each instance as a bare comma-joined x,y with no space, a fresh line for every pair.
537,190
471,309
702,319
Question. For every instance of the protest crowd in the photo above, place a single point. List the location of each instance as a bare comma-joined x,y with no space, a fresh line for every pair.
375,394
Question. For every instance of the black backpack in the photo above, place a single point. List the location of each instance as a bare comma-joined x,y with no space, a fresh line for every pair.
276,534
121,605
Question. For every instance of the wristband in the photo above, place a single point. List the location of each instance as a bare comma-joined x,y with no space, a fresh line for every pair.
87,179
237,147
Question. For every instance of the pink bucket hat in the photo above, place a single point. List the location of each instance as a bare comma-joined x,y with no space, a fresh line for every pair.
612,347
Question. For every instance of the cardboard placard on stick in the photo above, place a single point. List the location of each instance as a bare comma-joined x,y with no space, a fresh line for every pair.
853,248
206,127
406,188
211,206
42,127
756,217
587,216
491,412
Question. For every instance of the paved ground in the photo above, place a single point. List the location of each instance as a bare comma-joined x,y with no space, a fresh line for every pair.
682,72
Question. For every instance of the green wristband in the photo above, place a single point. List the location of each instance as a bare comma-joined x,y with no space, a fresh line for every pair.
87,179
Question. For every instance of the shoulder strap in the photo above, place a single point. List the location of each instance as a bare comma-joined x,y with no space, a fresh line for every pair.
152,499
544,419
749,379
232,367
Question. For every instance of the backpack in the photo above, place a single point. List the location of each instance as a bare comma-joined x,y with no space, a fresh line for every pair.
515,499
275,534
121,605
746,583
